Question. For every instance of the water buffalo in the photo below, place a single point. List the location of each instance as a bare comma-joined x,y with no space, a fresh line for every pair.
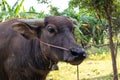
29,48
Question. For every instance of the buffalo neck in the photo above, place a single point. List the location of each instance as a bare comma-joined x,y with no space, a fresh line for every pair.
41,63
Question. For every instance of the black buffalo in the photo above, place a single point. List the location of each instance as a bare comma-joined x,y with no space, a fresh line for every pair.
29,48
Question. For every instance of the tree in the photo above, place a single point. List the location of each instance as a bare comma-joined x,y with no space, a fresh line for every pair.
104,9
17,11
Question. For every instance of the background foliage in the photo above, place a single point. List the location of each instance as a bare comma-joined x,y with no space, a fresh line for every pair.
92,27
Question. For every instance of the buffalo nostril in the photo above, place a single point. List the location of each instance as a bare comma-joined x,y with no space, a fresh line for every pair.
78,52
74,52
84,55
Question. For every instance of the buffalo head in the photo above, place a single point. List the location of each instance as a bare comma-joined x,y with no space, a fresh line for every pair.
53,30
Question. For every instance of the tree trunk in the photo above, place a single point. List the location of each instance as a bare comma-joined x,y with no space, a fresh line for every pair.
112,48
108,10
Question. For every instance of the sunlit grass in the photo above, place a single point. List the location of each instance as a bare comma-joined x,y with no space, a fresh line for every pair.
95,67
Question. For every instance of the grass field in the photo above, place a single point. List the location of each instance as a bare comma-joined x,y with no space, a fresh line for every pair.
97,67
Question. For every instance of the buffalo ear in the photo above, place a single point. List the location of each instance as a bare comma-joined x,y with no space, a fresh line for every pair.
26,30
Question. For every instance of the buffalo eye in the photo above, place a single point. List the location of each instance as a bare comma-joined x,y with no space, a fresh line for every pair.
51,30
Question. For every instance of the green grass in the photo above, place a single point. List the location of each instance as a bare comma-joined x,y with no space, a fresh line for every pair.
97,67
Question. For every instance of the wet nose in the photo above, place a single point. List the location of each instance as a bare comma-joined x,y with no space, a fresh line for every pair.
78,52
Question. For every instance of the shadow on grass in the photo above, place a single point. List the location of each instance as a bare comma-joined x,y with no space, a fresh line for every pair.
107,77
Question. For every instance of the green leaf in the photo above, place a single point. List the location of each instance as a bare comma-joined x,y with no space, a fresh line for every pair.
17,10
15,5
3,5
8,6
